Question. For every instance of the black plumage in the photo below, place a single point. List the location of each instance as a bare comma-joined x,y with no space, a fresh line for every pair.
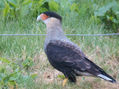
68,60
52,14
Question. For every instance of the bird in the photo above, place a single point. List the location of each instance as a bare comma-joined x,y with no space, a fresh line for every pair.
66,56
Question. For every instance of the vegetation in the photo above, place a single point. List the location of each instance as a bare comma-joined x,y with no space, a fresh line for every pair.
109,15
13,75
23,63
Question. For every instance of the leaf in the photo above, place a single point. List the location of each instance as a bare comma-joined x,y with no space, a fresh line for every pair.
101,11
13,76
54,6
74,7
41,2
61,76
12,3
33,76
24,10
4,60
11,84
6,10
27,2
43,10
1,4
27,63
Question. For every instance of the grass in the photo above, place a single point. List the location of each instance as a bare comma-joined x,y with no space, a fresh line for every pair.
104,51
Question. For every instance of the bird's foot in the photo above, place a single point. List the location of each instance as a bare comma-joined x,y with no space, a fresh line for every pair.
64,82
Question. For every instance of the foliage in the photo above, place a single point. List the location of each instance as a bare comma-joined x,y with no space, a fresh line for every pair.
23,8
12,75
27,63
109,15
20,8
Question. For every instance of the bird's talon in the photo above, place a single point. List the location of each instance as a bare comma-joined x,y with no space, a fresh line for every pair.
64,82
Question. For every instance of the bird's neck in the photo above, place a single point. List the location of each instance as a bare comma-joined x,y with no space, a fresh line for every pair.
54,30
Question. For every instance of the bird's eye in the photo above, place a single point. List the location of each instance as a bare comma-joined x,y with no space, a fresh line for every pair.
44,16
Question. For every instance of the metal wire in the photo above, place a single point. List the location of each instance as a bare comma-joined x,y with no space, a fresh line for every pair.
110,34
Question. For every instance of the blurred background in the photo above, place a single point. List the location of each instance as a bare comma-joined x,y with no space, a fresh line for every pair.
23,64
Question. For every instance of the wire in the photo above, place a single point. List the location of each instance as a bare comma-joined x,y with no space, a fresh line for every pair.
110,34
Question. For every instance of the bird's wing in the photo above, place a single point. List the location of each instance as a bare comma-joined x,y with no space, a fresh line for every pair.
69,55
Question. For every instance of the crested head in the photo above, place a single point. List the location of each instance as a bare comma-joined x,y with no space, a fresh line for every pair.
46,16
53,14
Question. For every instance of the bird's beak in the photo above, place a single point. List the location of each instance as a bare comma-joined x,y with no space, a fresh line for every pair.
38,18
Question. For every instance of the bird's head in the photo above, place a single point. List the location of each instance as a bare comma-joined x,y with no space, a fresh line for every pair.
48,17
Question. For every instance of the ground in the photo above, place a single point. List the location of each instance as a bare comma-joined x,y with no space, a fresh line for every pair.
49,78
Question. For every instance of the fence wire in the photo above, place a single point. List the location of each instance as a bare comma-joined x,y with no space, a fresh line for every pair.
110,34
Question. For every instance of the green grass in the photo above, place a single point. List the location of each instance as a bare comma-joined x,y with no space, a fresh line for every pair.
104,50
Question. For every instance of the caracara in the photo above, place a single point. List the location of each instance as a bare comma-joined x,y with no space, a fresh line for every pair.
66,56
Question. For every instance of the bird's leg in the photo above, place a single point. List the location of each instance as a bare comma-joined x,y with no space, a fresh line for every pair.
64,82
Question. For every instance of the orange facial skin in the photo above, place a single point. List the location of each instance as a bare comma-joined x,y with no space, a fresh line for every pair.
44,16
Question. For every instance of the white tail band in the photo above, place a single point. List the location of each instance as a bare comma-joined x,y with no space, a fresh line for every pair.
104,77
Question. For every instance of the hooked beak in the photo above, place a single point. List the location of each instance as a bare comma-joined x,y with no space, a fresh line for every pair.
38,18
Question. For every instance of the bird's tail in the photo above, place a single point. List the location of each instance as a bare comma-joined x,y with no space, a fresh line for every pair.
107,77
101,73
